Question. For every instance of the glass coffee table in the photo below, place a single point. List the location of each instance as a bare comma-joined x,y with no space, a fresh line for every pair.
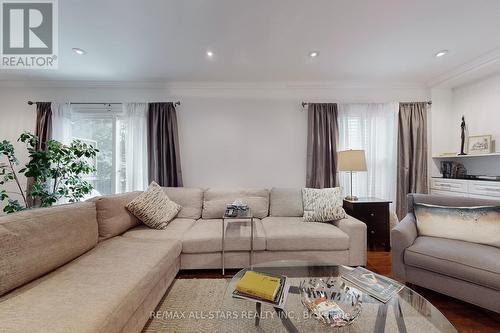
406,311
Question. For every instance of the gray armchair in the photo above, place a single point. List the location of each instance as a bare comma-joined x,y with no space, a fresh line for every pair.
464,270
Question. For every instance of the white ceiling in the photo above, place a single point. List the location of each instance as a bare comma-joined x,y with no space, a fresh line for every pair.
269,40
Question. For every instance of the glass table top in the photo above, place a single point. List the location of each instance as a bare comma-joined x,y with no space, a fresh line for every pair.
241,214
406,311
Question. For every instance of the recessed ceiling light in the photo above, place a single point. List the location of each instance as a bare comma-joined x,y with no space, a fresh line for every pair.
441,53
79,51
210,54
313,54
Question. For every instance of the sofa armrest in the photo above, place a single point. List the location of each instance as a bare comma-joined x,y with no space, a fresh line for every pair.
356,230
403,235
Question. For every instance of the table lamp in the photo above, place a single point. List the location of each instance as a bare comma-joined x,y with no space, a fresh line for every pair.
352,161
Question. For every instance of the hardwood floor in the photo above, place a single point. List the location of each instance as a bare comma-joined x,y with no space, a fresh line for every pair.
465,317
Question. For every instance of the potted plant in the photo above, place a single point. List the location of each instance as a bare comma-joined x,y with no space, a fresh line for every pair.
54,172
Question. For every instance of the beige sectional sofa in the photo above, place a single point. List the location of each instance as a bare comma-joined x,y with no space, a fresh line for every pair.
93,267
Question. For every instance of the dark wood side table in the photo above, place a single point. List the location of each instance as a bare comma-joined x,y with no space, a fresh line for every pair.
374,212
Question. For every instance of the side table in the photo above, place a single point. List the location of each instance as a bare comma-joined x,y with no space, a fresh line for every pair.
242,215
374,212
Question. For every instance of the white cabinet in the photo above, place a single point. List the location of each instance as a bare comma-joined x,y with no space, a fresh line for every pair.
466,188
450,193
484,188
446,184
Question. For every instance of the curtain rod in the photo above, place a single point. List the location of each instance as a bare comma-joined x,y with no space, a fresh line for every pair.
304,104
31,103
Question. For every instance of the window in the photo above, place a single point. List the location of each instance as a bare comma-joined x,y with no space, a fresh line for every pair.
371,127
103,126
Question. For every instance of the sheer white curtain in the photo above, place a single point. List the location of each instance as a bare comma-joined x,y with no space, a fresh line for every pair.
61,122
61,131
373,128
135,117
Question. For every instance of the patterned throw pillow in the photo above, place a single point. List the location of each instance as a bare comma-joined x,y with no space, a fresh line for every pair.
323,205
153,207
470,224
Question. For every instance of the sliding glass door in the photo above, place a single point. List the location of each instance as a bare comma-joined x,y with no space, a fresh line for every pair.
105,129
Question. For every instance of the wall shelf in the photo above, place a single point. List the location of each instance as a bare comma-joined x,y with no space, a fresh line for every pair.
465,156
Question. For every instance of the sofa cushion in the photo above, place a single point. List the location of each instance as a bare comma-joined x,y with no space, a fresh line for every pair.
154,207
206,236
97,292
35,242
113,218
292,233
471,262
471,224
323,205
286,202
215,201
191,200
174,230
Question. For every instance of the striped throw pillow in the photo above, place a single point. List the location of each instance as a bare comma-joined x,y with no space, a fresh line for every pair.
153,207
323,205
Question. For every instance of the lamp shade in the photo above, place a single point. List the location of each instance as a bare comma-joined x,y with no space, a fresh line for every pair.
351,160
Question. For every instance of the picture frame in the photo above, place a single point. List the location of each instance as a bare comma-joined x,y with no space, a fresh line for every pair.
479,144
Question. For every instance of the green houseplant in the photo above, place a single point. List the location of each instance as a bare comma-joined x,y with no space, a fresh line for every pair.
56,172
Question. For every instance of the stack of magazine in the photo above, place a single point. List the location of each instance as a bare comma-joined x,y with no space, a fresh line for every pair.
377,286
263,288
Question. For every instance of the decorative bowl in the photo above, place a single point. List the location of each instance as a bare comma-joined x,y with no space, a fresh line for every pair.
331,301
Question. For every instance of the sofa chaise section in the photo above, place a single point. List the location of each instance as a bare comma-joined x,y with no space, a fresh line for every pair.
174,231
56,277
97,292
35,242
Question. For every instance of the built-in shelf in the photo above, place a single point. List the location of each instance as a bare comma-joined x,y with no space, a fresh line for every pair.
466,156
467,179
465,188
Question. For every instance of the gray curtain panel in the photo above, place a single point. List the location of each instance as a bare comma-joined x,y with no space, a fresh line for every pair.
322,139
412,153
43,124
164,165
43,131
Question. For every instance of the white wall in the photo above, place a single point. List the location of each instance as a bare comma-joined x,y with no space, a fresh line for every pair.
230,134
479,102
226,142
441,131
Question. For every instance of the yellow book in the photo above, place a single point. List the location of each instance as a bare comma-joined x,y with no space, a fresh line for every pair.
260,285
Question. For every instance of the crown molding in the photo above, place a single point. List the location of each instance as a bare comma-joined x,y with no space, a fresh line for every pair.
290,85
311,91
468,72
82,84
282,85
